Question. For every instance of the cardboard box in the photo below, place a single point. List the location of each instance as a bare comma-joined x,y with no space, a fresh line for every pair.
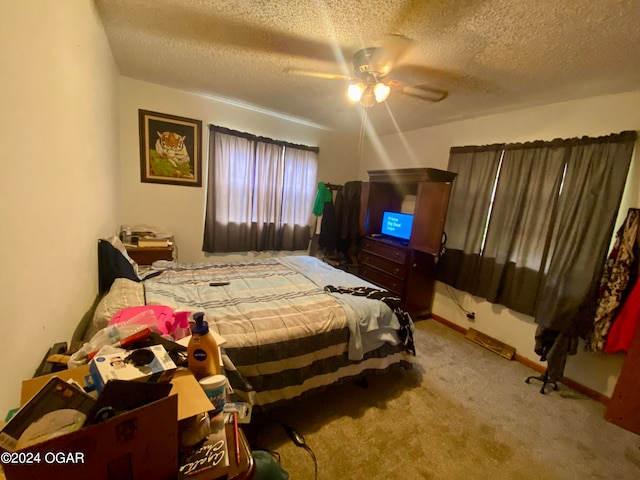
191,398
31,386
54,396
155,366
139,445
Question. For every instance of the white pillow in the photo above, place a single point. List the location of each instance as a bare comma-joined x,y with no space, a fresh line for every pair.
123,293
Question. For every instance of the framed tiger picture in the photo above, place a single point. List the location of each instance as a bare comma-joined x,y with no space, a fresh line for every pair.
170,149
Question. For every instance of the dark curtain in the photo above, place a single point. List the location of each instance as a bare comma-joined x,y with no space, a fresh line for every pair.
528,225
519,225
594,182
466,221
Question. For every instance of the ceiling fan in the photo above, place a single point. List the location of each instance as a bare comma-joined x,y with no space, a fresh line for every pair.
372,81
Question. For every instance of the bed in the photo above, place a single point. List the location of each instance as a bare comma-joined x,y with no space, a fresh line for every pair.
287,333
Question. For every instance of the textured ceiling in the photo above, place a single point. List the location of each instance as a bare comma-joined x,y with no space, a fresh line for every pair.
490,55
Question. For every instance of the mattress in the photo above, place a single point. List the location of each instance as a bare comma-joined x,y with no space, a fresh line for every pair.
285,334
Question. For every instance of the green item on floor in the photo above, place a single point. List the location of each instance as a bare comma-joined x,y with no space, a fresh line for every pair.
267,468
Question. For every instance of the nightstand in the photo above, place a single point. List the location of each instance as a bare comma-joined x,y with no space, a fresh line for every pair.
148,255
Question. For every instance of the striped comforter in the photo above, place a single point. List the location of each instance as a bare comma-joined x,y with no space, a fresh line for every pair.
285,335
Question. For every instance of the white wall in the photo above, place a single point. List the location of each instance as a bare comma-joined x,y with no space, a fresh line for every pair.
179,209
429,147
59,137
60,128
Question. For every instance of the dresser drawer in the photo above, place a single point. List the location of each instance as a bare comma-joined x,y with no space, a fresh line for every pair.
379,278
388,266
386,250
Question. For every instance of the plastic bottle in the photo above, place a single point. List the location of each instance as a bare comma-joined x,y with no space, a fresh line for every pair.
203,355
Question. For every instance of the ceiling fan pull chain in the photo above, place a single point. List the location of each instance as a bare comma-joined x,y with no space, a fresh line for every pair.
362,130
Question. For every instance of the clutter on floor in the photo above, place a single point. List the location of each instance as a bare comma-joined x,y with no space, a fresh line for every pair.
126,403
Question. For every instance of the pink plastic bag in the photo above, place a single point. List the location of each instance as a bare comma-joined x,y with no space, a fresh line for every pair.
158,317
181,327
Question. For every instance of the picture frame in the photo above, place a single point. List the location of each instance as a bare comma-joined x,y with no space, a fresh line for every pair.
170,149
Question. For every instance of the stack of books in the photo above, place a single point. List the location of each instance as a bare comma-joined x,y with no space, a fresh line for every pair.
154,242
148,238
140,236
210,459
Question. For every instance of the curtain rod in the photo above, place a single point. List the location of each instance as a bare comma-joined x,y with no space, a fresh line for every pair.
250,136
625,136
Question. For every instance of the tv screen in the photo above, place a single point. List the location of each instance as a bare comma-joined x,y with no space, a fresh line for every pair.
397,225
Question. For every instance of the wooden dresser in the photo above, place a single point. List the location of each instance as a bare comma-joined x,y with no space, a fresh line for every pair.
408,273
407,270
385,263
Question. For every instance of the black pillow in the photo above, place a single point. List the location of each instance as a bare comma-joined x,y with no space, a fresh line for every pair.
111,265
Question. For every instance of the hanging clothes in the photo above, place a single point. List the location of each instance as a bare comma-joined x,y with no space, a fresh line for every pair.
350,225
331,210
323,195
323,198
348,220
625,324
339,207
616,279
328,233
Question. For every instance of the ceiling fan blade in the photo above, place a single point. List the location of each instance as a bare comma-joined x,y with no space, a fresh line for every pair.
312,74
424,92
381,60
395,46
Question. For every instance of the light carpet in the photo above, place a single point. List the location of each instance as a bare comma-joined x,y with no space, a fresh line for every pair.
461,412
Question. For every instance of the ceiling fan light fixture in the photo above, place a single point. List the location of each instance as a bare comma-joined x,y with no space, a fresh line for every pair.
368,94
368,98
381,91
355,91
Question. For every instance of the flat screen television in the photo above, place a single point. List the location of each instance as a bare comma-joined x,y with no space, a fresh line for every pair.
397,225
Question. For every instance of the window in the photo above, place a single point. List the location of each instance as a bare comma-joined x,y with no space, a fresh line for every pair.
528,225
260,193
